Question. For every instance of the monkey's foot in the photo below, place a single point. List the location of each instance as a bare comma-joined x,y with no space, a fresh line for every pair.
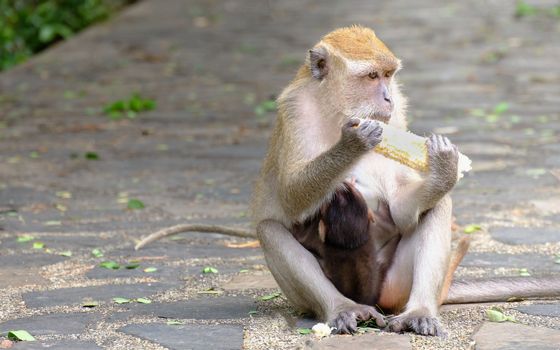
423,325
346,322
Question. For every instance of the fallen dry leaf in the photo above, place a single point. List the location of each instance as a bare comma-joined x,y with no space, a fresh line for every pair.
250,244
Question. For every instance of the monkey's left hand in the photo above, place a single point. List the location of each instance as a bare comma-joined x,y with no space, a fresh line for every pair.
443,158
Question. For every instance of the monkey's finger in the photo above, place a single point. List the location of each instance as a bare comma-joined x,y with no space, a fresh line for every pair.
440,142
352,122
366,125
447,143
430,140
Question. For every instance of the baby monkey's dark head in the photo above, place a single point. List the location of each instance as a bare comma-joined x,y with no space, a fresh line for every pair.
345,220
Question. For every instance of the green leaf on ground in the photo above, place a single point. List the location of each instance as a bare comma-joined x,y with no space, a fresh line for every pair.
132,266
143,301
129,107
253,312
270,296
111,265
38,245
535,173
97,253
175,323
523,9
121,300
265,107
91,156
524,272
243,271
209,269
66,253
150,269
304,331
25,238
501,108
135,204
472,228
496,315
63,194
20,335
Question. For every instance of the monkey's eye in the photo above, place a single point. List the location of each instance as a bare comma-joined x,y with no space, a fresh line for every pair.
373,75
389,74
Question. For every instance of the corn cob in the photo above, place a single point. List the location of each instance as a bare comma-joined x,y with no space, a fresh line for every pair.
411,150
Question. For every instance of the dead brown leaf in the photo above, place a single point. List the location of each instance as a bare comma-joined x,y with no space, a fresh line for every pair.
250,244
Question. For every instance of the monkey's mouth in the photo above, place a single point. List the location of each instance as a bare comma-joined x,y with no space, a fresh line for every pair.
382,117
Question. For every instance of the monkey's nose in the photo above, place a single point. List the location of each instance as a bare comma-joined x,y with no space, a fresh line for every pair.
387,95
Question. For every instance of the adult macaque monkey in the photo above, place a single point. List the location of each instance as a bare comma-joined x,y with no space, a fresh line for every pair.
325,131
348,81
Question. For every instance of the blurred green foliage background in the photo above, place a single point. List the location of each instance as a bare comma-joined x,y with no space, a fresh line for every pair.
29,26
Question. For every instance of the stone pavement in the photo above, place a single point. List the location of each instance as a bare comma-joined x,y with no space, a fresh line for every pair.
471,70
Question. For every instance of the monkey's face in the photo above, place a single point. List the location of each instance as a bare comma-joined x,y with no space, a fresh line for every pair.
357,72
369,89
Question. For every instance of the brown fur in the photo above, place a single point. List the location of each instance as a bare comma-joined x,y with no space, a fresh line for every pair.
357,246
360,43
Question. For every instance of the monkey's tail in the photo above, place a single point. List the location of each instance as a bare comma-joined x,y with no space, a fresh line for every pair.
173,230
456,258
503,289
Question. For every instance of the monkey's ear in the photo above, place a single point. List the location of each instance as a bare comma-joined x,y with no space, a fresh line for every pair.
318,62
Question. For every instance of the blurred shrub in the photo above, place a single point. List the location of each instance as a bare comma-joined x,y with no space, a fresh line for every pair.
29,26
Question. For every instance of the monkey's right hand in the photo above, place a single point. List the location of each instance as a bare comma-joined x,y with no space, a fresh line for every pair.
363,133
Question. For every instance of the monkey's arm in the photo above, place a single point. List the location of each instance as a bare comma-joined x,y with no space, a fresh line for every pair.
170,231
304,184
415,198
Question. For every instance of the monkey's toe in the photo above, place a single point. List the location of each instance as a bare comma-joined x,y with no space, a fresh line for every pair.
421,325
345,323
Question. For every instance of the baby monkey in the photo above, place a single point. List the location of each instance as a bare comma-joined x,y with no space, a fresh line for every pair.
353,245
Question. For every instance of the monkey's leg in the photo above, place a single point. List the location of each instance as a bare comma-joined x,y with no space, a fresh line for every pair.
302,280
424,258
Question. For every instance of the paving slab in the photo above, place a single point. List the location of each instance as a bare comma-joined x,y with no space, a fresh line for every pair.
74,296
522,235
245,281
164,272
193,337
52,324
203,308
367,341
514,336
57,345
14,277
176,249
550,310
536,262
30,260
